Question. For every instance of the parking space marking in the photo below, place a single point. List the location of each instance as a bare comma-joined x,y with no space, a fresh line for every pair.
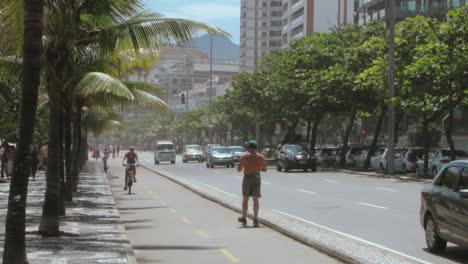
331,181
229,255
304,191
203,234
373,205
386,189
265,182
211,187
186,220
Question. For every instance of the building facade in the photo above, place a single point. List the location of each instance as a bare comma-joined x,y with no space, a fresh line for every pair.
260,31
369,10
303,17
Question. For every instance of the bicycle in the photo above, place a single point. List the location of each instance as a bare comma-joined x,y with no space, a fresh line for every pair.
104,161
129,176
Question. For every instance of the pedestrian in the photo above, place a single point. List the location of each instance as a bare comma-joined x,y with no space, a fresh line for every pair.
3,159
252,163
34,160
10,153
44,154
113,151
118,150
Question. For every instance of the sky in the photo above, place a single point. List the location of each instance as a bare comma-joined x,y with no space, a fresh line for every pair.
224,14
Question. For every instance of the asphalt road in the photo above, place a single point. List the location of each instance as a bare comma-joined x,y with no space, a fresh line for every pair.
384,212
167,223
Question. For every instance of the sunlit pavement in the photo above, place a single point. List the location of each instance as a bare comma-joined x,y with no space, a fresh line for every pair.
379,211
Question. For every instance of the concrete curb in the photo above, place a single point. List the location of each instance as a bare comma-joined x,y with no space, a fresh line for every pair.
373,174
335,244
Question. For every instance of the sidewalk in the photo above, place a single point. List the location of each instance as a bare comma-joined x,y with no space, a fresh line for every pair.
92,225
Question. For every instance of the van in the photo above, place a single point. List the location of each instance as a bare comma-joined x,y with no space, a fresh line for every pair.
164,151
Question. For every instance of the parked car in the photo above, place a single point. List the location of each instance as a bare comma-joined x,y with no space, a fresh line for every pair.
360,158
379,160
237,152
326,156
219,156
164,151
353,151
410,157
293,157
438,158
444,207
192,153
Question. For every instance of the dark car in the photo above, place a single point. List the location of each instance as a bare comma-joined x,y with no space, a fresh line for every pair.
219,156
444,207
293,157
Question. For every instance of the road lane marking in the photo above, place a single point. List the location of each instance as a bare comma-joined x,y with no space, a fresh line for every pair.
354,238
332,181
229,255
265,182
203,234
373,205
304,191
387,189
211,187
186,220
172,210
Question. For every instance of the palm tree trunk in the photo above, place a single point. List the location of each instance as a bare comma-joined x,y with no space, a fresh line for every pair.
77,141
68,152
62,163
313,141
344,147
49,225
15,247
375,140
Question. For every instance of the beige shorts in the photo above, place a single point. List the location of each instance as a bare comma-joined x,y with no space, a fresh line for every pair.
251,186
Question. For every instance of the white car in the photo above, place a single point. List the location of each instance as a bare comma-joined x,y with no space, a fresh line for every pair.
164,151
379,160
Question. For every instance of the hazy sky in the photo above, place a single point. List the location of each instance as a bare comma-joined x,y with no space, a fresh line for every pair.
224,14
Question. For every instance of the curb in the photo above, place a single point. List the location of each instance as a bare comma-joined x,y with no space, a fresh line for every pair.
339,246
362,173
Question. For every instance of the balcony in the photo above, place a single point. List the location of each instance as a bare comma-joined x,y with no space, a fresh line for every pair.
298,21
298,35
297,5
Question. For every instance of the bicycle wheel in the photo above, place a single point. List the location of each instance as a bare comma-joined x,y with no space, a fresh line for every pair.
130,182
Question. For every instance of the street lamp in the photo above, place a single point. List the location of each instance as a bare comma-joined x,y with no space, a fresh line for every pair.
211,87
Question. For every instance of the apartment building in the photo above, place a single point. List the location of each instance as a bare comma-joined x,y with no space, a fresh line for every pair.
303,17
260,31
368,10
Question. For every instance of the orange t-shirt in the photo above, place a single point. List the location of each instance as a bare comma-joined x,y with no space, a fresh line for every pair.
252,163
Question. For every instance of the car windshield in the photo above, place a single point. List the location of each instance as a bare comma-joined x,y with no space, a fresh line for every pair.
295,148
193,148
165,147
356,150
221,150
236,149
328,151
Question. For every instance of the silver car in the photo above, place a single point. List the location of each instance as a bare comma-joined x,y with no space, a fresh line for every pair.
219,156
438,158
410,157
379,160
326,156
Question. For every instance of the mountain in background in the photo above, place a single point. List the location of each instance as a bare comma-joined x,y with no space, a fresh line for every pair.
223,47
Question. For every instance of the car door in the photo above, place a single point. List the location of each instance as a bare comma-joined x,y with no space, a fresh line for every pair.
445,201
460,211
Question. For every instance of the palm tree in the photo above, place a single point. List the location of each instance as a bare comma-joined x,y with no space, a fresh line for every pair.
15,247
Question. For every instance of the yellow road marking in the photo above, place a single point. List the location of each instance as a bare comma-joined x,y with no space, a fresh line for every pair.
203,234
186,220
229,255
172,210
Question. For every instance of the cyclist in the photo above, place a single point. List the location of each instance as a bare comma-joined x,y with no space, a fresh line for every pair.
132,160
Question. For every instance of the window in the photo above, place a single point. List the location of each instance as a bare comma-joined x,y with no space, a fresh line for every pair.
450,178
464,180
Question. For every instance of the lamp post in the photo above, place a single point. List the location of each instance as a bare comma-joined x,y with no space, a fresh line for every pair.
210,88
390,7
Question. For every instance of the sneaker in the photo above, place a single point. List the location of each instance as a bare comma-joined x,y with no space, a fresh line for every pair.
255,223
242,220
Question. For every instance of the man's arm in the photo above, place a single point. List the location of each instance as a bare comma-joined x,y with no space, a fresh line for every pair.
124,158
137,160
264,165
240,166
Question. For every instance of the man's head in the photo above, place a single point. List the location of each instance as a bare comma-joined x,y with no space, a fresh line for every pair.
132,148
251,145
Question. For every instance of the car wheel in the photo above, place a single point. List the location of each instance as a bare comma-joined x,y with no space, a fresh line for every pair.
207,165
173,161
405,170
434,242
278,167
211,166
286,168
156,162
233,165
184,161
434,171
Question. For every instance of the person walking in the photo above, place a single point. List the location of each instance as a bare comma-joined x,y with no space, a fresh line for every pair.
10,153
118,150
3,159
34,160
252,163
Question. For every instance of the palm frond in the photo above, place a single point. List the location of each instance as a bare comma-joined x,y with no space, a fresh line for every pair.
146,87
10,70
97,83
145,98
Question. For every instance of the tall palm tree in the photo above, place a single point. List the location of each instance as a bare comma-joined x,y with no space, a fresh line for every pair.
15,247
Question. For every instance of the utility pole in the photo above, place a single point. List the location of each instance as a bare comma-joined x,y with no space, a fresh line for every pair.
391,86
210,88
188,84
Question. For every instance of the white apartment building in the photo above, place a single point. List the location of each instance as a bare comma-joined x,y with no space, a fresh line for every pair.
303,17
260,31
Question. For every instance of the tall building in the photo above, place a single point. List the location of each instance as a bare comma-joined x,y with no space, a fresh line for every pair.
303,17
260,31
370,10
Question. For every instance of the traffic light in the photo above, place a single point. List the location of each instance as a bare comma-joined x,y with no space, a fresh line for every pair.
182,98
363,132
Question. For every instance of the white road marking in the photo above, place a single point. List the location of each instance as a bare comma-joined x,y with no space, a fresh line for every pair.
386,189
354,237
211,187
265,182
304,191
332,181
373,205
